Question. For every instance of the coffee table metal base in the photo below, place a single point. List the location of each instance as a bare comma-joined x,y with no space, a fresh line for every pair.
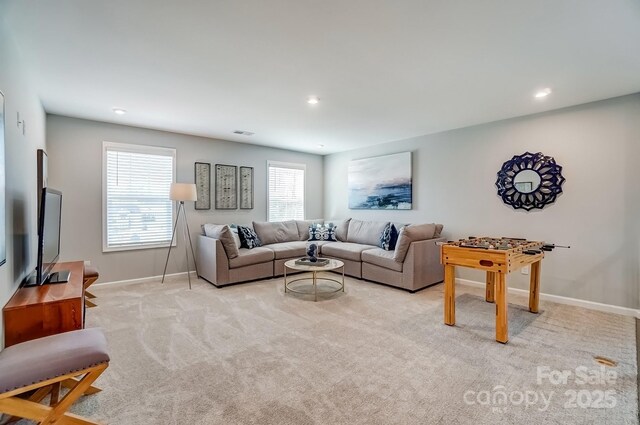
314,287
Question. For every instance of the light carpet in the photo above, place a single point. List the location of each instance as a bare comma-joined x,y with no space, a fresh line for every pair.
249,354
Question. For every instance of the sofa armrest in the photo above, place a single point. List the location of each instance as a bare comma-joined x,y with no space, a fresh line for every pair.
422,265
213,264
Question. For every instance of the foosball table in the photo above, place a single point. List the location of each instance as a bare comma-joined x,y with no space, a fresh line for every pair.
498,257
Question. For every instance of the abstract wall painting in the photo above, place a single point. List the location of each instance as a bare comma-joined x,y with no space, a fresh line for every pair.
381,183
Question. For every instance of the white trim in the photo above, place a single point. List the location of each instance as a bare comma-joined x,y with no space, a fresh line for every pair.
145,149
146,279
295,166
591,305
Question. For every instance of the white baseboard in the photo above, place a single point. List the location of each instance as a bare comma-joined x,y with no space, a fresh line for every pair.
625,311
147,279
592,305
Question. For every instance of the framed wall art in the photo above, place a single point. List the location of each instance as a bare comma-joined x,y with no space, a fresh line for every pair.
226,187
381,183
246,188
203,185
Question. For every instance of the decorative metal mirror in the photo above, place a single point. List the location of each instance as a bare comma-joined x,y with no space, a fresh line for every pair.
530,180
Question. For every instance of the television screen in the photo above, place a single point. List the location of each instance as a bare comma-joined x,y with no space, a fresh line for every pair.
3,233
48,232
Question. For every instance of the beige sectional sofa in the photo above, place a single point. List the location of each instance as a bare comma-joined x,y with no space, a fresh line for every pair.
413,265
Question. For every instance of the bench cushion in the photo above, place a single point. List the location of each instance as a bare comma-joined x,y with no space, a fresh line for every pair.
344,250
90,271
247,257
382,258
52,356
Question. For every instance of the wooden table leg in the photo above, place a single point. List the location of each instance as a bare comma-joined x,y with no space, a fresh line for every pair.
449,295
491,287
502,323
534,287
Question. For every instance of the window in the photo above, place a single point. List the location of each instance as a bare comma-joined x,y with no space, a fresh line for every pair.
285,198
136,209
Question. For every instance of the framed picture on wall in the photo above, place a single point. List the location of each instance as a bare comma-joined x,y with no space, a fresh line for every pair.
226,187
246,188
203,185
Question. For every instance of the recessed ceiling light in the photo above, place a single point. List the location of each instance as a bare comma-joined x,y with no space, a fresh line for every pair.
119,111
543,93
313,100
321,146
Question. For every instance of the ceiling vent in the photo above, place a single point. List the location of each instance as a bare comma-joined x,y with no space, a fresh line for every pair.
243,133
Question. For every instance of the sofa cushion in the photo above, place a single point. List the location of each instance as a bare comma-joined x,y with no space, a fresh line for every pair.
223,233
248,238
247,257
322,233
344,250
342,228
303,227
389,237
288,249
408,234
382,258
278,231
365,232
438,231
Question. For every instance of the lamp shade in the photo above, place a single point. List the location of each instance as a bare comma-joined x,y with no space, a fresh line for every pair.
183,192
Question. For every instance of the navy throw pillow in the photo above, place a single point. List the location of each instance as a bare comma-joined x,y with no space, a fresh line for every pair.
322,233
389,238
248,238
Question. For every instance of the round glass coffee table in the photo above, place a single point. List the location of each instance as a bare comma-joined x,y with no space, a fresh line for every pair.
315,270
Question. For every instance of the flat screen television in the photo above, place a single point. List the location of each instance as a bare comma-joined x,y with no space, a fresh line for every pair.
49,222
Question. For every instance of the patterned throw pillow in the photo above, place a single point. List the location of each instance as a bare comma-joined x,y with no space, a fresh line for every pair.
248,238
319,232
389,237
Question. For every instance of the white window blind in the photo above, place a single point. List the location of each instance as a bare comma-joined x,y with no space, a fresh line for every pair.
286,191
137,211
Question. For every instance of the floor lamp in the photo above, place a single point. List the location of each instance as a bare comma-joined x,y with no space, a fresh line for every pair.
182,192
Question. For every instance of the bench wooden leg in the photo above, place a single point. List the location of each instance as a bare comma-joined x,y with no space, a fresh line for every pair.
57,414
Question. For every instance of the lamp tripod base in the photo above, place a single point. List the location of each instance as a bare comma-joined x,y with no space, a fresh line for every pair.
187,236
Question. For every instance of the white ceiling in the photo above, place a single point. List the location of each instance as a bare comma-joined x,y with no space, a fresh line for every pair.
384,70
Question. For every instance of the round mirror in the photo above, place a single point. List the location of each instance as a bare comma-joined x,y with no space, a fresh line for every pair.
527,181
530,180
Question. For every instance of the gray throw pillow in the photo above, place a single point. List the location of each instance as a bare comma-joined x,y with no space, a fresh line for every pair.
223,233
412,233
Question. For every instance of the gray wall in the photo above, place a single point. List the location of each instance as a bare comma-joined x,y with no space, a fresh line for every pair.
598,215
20,161
75,167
